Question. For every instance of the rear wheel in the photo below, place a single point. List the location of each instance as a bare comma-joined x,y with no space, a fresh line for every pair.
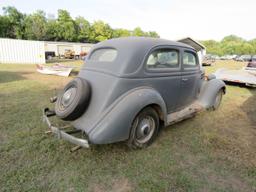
144,129
73,100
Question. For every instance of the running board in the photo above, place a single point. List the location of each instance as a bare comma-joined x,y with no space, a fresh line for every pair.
185,113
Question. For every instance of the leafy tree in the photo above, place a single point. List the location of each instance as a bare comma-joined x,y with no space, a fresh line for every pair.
100,31
231,45
153,34
121,33
138,32
213,47
35,26
51,30
5,26
16,21
65,26
83,29
253,44
232,38
246,48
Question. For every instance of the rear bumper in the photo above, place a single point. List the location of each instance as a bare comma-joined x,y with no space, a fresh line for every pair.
62,134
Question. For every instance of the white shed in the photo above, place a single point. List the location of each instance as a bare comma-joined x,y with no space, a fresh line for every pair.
201,50
21,51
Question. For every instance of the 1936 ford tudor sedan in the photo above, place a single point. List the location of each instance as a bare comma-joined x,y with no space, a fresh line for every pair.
129,87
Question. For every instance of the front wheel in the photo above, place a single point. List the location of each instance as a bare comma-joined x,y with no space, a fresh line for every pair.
144,128
217,100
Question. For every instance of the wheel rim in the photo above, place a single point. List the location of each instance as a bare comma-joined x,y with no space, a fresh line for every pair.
145,129
68,97
218,100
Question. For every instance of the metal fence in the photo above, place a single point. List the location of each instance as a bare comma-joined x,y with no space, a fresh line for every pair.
21,51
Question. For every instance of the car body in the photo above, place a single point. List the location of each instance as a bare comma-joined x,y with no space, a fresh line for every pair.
238,58
208,62
253,58
215,57
223,57
129,78
228,57
251,66
244,58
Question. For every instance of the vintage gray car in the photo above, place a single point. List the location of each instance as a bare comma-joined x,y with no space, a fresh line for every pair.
129,87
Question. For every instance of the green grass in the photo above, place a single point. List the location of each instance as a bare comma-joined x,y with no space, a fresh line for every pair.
215,151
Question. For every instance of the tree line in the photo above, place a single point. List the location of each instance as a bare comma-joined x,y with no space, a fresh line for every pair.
37,26
230,45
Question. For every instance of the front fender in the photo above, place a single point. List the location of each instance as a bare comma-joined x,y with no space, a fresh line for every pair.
209,91
116,124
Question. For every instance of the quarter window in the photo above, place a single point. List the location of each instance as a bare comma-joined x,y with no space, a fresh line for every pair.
189,60
163,58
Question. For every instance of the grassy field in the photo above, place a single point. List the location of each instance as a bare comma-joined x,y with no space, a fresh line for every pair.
215,151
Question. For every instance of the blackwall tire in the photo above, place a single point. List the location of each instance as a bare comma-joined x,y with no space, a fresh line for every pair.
73,100
217,100
146,119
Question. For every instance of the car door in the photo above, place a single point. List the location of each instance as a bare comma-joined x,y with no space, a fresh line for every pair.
190,78
163,66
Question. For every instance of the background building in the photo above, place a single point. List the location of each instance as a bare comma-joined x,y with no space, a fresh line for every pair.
201,50
21,51
33,52
59,48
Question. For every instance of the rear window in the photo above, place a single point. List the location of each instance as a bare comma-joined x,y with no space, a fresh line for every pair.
104,55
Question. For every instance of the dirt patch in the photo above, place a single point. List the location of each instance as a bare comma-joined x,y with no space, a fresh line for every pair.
230,182
118,185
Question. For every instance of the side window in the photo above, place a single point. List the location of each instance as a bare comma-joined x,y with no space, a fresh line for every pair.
163,58
189,60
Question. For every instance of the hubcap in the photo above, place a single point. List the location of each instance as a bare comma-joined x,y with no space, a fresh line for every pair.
68,97
145,129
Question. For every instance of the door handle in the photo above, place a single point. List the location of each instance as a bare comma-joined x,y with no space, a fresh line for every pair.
184,79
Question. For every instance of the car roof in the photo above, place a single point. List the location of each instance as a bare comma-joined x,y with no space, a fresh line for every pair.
142,41
131,52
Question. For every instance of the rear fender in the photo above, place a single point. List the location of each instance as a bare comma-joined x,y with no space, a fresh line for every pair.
116,124
209,91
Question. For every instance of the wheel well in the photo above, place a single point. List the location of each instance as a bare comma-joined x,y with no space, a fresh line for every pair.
158,110
224,90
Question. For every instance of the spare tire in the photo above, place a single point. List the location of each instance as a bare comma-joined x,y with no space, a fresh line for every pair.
73,100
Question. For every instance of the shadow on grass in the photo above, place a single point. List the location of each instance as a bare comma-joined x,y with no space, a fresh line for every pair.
236,84
249,107
61,60
73,73
7,76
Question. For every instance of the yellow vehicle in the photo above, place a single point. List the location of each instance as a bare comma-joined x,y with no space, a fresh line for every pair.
69,54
